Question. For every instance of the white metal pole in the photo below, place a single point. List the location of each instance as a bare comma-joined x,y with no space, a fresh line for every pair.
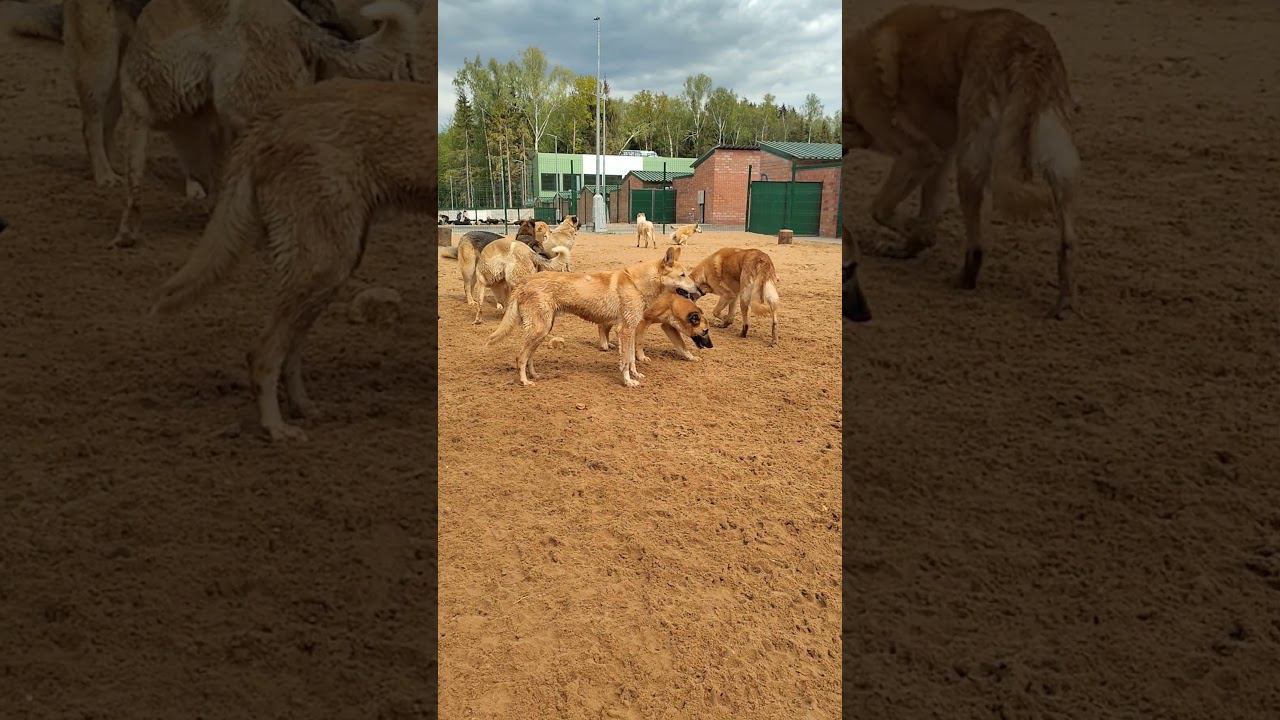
597,203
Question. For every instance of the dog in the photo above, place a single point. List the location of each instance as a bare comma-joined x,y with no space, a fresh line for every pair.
280,183
616,298
984,90
745,275
679,317
853,303
469,247
681,235
504,265
565,233
644,231
94,34
170,80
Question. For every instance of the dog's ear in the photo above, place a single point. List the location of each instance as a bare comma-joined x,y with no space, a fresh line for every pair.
672,257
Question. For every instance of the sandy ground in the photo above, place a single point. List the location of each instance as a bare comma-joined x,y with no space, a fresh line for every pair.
666,551
1082,518
153,564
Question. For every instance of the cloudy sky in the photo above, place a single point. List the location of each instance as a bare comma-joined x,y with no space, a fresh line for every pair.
788,48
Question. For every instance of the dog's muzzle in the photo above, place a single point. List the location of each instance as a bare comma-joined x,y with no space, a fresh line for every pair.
703,340
692,295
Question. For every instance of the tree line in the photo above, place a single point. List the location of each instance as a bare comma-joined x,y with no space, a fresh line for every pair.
504,111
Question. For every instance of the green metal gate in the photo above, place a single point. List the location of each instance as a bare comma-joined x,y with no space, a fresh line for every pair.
657,204
775,205
545,210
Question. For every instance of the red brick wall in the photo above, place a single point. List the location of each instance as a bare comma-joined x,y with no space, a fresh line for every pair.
723,177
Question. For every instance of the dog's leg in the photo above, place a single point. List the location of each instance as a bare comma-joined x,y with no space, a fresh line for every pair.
627,354
95,77
744,300
300,404
480,302
933,193
907,174
730,309
677,341
971,182
264,371
603,344
536,331
468,268
137,130
193,142
554,341
717,313
640,356
1064,209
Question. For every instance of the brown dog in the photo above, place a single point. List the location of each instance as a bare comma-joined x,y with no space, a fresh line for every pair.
679,317
280,183
473,244
615,298
986,90
745,275
681,235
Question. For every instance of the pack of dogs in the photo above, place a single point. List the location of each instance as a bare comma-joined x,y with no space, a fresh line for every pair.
533,283
982,91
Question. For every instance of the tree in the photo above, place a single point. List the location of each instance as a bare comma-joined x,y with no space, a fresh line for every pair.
696,88
720,107
812,114
540,92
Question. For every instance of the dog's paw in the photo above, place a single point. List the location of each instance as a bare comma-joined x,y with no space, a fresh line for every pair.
692,357
631,383
123,240
641,357
110,179
285,432
555,342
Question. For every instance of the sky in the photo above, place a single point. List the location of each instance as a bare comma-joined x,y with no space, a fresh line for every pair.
788,48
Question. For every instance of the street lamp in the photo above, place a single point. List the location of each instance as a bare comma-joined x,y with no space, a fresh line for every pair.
597,205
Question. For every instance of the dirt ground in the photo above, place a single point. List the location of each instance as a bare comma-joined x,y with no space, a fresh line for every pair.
1082,518
155,562
666,551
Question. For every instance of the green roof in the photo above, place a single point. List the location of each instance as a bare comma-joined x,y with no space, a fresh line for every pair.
707,154
803,151
656,175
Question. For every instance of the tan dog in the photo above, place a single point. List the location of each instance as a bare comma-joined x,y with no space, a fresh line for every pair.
614,298
986,90
282,183
504,265
679,317
644,231
472,244
681,235
745,275
169,79
566,233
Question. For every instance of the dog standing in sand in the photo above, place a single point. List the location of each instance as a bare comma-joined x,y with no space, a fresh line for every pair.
566,233
472,244
172,79
505,264
613,298
309,173
644,231
681,235
744,275
985,90
679,317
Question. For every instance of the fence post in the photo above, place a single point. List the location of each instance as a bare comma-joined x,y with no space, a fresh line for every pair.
504,204
673,210
746,223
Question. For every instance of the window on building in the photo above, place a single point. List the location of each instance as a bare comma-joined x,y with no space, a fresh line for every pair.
612,179
548,181
566,181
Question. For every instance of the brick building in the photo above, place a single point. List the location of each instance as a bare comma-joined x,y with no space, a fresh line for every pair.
814,204
721,174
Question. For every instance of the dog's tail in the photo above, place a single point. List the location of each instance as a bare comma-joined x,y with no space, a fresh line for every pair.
510,319
25,19
233,227
1034,140
559,263
764,285
381,56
